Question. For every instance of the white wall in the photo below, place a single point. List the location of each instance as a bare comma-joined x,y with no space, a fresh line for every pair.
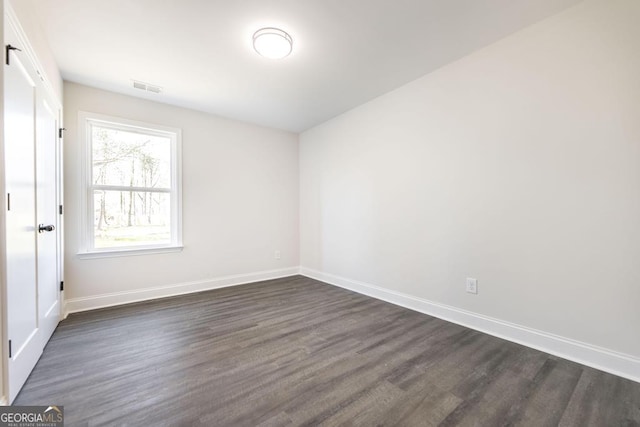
240,204
518,165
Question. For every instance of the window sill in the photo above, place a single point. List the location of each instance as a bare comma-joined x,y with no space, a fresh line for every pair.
129,252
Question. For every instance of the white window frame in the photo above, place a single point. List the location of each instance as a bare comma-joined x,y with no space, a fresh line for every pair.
86,246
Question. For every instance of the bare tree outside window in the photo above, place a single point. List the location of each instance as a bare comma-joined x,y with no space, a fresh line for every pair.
131,177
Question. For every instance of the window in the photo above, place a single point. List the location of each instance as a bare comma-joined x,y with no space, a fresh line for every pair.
132,201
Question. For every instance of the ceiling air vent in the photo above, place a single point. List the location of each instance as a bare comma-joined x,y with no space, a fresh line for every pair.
146,86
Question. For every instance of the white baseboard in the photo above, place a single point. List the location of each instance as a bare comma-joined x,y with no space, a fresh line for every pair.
623,365
619,364
75,305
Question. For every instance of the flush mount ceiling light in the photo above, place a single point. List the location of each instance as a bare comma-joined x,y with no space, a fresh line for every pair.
272,43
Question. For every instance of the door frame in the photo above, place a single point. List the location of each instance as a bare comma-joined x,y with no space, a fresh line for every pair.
3,268
10,20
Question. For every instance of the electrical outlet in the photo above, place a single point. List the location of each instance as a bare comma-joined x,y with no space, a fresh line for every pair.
472,285
276,255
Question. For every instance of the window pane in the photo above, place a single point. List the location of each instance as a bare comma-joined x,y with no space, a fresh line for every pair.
131,218
130,159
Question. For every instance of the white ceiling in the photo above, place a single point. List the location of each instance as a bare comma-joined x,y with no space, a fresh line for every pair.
346,52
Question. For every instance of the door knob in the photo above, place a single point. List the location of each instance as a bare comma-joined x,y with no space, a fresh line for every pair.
42,228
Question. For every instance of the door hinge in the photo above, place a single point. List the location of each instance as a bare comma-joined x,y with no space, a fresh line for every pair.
62,285
60,132
8,201
60,210
8,48
9,349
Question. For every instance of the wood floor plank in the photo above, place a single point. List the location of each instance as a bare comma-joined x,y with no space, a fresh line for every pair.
295,351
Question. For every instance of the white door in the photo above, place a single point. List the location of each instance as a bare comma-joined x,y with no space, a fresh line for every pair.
47,216
25,341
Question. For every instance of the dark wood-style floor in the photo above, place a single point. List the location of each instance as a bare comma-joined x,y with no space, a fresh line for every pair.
299,352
